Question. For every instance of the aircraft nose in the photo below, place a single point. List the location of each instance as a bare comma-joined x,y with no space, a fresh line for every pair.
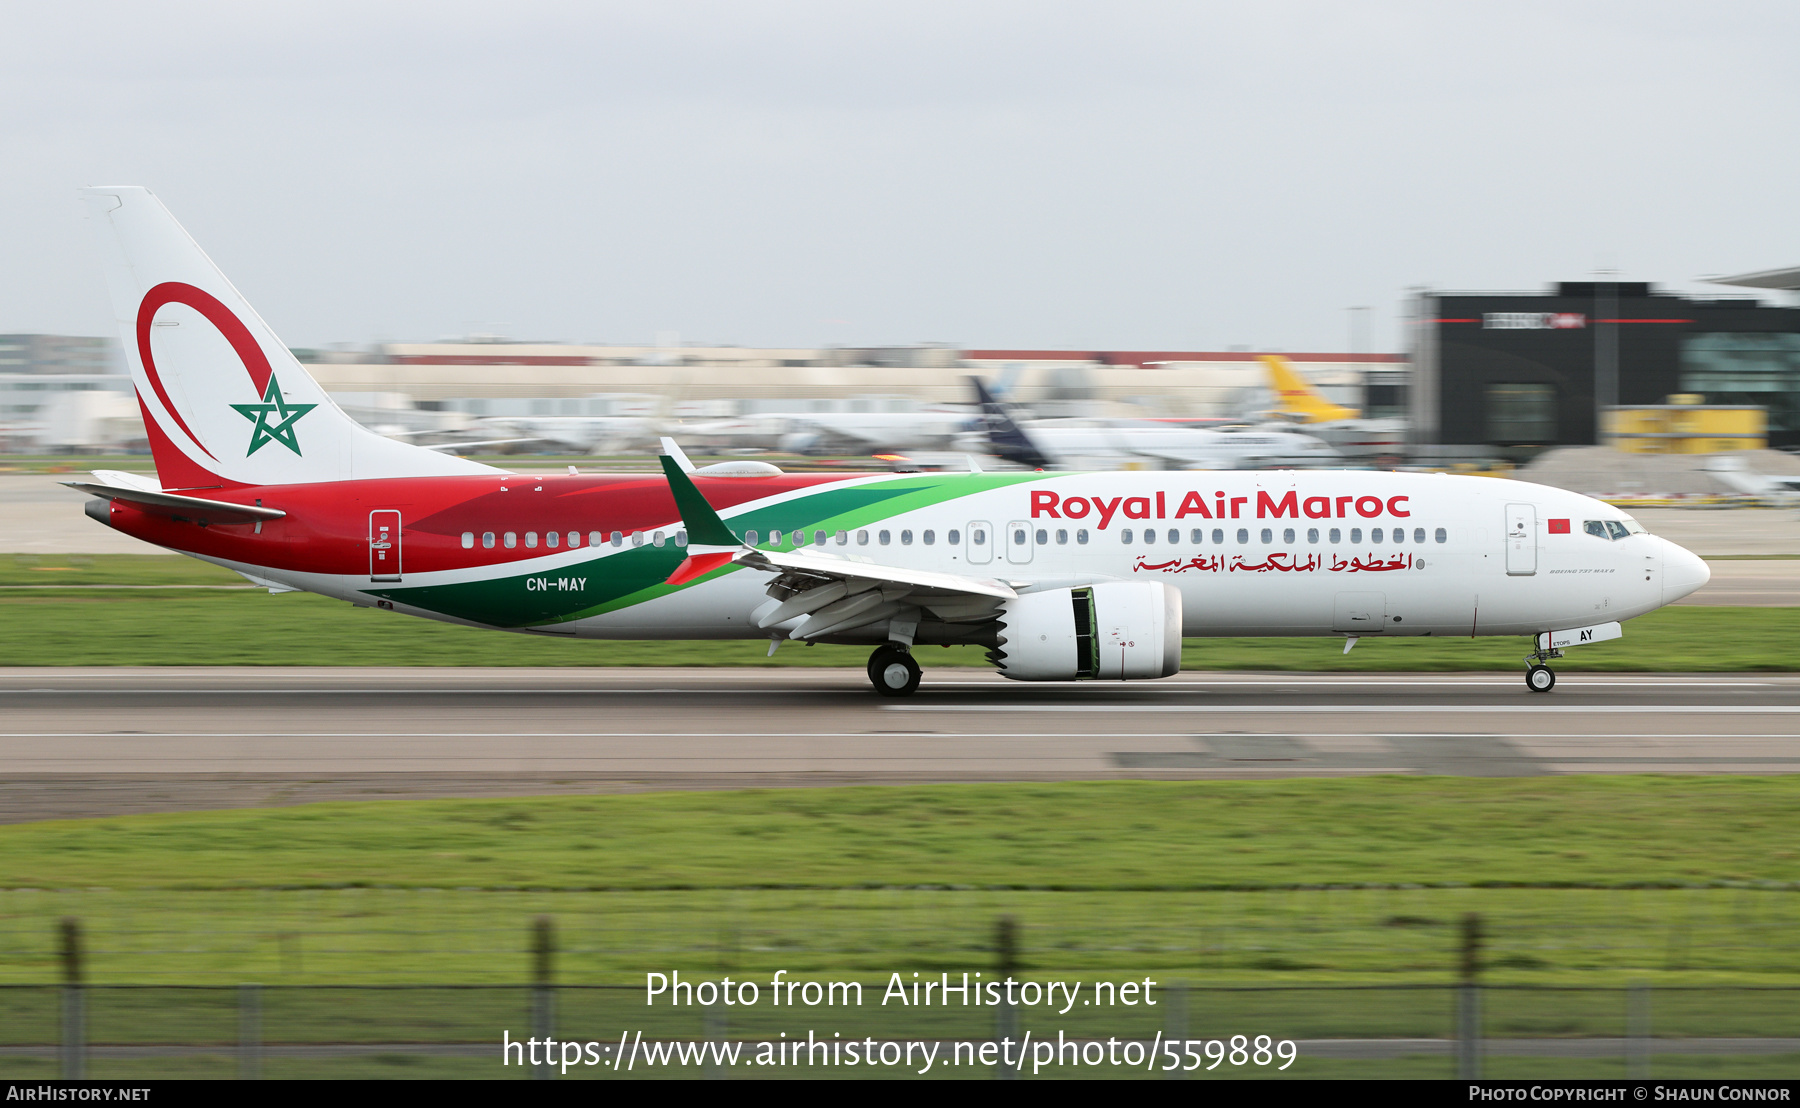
1683,573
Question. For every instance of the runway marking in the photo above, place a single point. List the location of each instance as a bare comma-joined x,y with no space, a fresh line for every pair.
1134,736
88,689
1298,709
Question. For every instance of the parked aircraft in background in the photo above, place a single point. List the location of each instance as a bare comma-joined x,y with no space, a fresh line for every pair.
833,432
1075,443
581,434
1298,400
1061,576
1735,473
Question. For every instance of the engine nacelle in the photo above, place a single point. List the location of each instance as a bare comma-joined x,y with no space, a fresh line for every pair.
1116,630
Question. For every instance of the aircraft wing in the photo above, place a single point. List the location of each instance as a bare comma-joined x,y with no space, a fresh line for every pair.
833,594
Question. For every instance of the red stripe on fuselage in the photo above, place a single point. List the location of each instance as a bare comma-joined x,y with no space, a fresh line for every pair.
327,524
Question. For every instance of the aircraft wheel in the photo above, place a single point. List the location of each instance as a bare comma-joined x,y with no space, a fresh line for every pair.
893,671
1540,679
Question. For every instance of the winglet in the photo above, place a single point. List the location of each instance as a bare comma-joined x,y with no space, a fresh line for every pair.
673,450
710,543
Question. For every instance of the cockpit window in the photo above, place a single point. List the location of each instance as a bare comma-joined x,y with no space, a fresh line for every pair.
1611,530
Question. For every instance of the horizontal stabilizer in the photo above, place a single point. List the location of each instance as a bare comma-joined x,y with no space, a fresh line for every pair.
213,511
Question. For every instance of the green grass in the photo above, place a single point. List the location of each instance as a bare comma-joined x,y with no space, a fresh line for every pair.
1685,879
1551,831
1326,884
63,620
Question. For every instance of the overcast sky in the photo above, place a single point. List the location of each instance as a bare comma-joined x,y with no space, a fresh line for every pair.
1099,175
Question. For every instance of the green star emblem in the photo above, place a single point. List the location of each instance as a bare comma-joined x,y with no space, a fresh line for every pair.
267,430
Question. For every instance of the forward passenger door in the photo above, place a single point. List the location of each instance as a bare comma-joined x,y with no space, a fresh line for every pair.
1521,540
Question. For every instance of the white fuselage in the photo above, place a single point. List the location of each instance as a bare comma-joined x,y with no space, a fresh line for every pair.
1475,556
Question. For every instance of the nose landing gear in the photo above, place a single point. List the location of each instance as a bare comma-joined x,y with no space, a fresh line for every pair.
893,671
1538,676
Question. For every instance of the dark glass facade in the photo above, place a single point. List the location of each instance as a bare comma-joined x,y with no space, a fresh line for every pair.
1514,374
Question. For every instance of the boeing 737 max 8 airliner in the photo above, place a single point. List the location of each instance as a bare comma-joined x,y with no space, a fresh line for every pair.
1061,576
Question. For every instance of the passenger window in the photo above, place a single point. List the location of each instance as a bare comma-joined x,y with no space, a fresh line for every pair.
862,538
1336,535
1312,534
978,535
1595,528
1019,537
1356,535
1125,536
749,538
1418,534
1617,529
681,537
468,540
657,538
1443,535
929,536
1268,536
885,537
1174,536
1287,536
819,538
1081,536
1375,535
511,540
798,537
1043,536
1399,535
953,537
618,539
1218,536
595,538
487,540
1149,537
637,538
905,538
1197,536
552,539
1243,535
843,538
531,540
774,538
1062,537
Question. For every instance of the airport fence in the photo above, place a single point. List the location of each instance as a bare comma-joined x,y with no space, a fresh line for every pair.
1119,1023
1428,1030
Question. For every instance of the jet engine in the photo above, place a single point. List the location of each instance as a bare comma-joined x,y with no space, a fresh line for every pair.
1116,630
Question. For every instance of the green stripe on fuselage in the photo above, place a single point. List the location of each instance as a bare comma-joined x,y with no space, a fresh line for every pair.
635,575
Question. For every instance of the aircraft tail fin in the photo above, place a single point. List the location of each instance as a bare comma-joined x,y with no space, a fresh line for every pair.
1296,396
1003,433
224,402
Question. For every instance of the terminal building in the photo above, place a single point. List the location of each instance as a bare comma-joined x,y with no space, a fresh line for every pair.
1513,374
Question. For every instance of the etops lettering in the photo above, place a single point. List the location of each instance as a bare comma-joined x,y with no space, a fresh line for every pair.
1047,504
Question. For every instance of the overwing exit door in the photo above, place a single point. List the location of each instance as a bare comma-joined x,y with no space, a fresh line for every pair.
384,546
1521,540
981,543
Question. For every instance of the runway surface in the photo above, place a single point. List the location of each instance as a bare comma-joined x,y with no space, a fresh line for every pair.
81,742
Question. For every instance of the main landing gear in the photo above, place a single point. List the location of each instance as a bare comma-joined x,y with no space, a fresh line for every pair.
1538,676
893,671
